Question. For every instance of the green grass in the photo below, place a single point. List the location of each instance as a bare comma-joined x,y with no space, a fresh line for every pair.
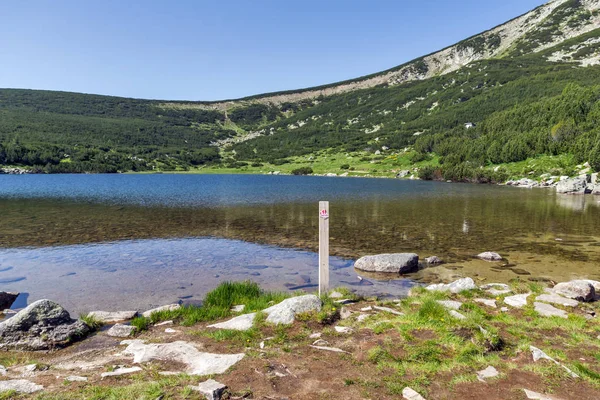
217,305
91,321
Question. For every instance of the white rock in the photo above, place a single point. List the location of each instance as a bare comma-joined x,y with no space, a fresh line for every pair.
489,256
433,260
401,263
285,312
121,371
164,323
369,308
504,309
343,329
116,316
3,370
198,363
489,372
345,313
556,299
320,342
537,396
518,300
169,307
410,394
333,349
450,304
539,355
239,323
547,310
579,290
315,335
335,295
454,287
362,317
170,330
238,308
387,309
120,330
211,389
457,315
75,378
487,302
20,386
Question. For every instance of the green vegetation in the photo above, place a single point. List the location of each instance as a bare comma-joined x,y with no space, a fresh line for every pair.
91,321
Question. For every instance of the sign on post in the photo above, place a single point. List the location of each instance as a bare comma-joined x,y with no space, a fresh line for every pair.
323,247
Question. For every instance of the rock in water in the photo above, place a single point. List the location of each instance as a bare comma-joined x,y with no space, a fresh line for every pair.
578,290
285,312
572,186
489,256
43,325
7,299
454,287
402,263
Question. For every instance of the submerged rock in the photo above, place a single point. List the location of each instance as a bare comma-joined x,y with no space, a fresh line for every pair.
489,256
454,287
581,290
43,325
390,263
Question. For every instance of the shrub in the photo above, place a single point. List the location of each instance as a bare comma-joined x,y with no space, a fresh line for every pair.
302,171
345,166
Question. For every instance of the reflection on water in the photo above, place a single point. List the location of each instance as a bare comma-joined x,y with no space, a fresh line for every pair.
147,273
543,235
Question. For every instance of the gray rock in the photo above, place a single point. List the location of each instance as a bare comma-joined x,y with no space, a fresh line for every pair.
489,256
211,389
169,307
518,300
451,304
345,313
388,310
572,186
120,331
43,325
547,310
7,299
596,286
343,329
556,299
335,295
538,396
75,378
362,317
496,289
20,386
198,363
410,394
240,323
315,335
402,263
454,287
320,342
116,316
368,308
578,290
3,370
487,302
489,372
121,371
457,315
285,312
433,260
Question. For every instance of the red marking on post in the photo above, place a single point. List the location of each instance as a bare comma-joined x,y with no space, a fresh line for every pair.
323,214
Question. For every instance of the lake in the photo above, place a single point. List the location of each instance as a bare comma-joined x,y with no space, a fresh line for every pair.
137,241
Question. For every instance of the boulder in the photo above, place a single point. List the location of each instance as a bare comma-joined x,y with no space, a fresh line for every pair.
581,290
454,287
596,286
489,256
120,330
7,299
116,316
43,325
572,186
391,263
285,312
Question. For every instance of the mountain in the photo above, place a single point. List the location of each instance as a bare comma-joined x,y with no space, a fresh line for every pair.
523,95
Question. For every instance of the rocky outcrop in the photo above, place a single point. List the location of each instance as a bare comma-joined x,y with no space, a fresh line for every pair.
7,299
389,263
581,290
43,325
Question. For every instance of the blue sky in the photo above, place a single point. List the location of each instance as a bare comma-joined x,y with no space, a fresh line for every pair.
210,50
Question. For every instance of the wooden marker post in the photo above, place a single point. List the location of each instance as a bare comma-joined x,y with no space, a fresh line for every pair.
323,247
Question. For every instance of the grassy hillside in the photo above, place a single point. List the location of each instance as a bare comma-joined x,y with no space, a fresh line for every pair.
536,99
